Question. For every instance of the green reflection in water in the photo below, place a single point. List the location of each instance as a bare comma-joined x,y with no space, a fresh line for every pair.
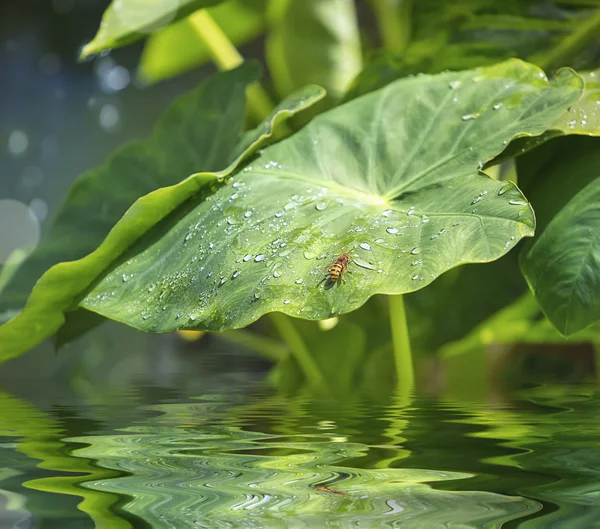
189,467
39,438
271,461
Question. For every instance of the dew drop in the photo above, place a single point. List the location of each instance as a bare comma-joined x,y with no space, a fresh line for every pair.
387,212
248,214
234,196
321,206
411,210
260,257
425,220
287,301
276,273
415,277
279,214
468,117
497,106
392,230
235,274
454,84
298,281
415,251
517,202
188,236
247,258
365,246
223,281
505,188
475,200
124,278
256,295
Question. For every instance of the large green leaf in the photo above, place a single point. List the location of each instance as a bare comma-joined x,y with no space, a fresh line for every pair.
471,33
126,21
202,130
562,266
391,177
177,48
314,41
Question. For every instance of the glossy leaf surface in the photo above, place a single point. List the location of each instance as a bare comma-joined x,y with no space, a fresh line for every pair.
192,134
391,178
126,21
562,265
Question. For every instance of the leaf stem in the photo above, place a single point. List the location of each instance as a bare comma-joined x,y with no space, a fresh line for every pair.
226,56
297,347
401,341
567,47
266,347
394,20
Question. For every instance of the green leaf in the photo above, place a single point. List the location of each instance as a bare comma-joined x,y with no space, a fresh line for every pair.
202,130
562,265
471,33
519,322
582,118
361,178
126,21
177,48
314,41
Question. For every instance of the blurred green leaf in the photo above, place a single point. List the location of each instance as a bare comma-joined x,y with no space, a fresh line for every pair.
520,322
562,265
393,175
461,300
471,33
313,41
126,21
203,130
177,48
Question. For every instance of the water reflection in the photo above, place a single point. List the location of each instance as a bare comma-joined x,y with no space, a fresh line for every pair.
229,451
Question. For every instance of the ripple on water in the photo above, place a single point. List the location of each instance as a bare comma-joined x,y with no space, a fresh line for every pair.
221,476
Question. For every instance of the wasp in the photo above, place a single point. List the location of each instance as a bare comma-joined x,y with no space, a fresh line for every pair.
337,268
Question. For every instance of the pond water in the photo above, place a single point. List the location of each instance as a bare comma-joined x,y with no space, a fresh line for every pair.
229,451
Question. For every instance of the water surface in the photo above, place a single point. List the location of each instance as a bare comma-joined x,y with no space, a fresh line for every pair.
236,453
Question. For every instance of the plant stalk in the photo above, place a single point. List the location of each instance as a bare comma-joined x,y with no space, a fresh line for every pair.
297,347
394,20
226,56
567,47
401,340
